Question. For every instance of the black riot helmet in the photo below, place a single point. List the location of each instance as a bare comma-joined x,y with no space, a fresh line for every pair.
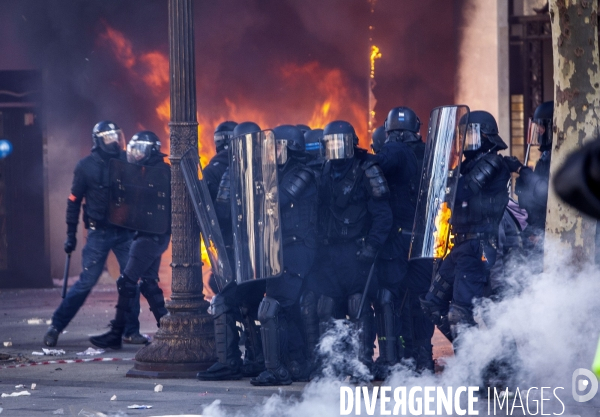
143,146
303,128
245,128
108,137
223,134
289,140
313,142
540,126
482,134
402,118
340,139
378,139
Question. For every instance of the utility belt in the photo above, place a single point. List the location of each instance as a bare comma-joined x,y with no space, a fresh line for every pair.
461,237
97,224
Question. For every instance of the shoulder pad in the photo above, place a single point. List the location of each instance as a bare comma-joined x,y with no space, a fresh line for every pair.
297,180
484,171
377,181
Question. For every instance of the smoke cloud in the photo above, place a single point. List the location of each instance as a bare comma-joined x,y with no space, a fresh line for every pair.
551,318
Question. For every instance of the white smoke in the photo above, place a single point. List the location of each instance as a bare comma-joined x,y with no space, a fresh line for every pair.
553,318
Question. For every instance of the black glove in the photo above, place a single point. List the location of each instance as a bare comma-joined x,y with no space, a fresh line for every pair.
513,163
70,243
366,254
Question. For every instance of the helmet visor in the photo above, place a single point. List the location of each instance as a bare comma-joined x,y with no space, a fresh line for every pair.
473,137
536,133
282,154
112,140
339,146
222,139
138,151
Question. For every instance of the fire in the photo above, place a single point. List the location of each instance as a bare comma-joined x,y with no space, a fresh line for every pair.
314,95
443,235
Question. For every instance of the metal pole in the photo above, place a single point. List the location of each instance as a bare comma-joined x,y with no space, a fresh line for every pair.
185,342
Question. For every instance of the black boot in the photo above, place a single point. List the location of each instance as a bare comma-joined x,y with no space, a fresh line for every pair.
227,338
112,339
273,332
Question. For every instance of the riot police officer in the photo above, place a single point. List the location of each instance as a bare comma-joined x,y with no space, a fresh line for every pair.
91,182
403,125
358,218
278,312
480,201
213,172
399,165
235,303
144,255
532,185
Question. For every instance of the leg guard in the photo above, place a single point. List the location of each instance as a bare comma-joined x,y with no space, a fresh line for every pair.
270,331
441,288
386,326
365,326
152,292
310,321
227,337
423,354
325,308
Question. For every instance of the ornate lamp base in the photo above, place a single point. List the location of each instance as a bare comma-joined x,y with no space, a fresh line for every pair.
183,346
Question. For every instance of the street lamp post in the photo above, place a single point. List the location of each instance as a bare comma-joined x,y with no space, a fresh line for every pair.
184,343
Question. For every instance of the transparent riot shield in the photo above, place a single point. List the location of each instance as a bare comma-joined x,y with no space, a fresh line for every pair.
255,207
439,180
207,218
139,197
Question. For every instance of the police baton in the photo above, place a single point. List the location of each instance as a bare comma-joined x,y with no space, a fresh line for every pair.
364,294
66,275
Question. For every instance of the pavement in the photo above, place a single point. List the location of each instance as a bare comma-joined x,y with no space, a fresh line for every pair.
86,388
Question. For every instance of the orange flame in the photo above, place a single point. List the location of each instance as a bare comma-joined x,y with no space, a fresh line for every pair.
442,235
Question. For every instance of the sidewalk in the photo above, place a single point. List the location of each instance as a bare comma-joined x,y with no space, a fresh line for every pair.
83,388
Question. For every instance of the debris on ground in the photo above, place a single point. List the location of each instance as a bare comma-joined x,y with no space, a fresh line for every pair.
60,411
7,344
49,352
139,407
91,352
16,394
20,386
33,386
158,388
35,321
113,398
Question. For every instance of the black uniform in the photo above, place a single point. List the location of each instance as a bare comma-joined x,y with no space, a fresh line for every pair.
144,262
91,181
480,202
399,165
358,216
214,171
279,311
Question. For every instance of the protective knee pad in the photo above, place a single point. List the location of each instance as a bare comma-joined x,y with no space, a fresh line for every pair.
218,306
154,295
433,310
441,288
310,321
268,315
354,305
126,286
325,307
459,315
385,316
